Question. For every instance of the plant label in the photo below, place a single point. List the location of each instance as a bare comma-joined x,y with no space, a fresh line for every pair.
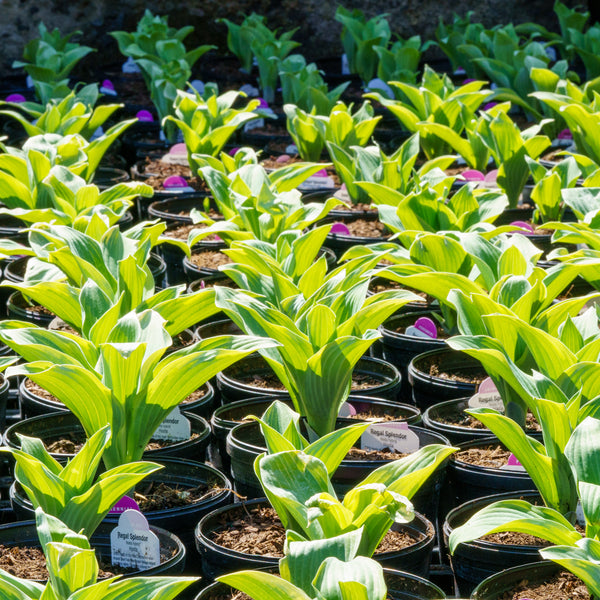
339,229
393,435
249,90
551,53
318,181
473,175
29,81
132,544
579,515
145,116
254,124
345,65
424,327
343,195
523,225
292,149
198,85
97,134
175,428
487,396
16,98
130,66
107,88
346,411
513,465
378,85
125,503
177,185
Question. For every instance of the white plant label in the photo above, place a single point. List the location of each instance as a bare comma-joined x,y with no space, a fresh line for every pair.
513,465
393,435
378,85
345,65
249,90
292,149
343,195
175,428
487,396
198,85
132,544
580,516
550,53
254,124
130,66
347,411
316,183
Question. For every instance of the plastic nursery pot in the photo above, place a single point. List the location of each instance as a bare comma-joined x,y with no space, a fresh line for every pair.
245,442
374,377
55,426
443,374
467,481
177,473
24,534
17,307
4,390
475,561
341,242
401,586
218,560
496,586
399,349
33,405
106,177
228,416
212,259
445,418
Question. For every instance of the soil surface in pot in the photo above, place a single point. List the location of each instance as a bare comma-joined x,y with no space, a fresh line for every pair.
159,170
270,381
368,455
259,531
462,419
365,228
183,231
210,259
30,562
469,375
380,414
562,585
492,456
154,495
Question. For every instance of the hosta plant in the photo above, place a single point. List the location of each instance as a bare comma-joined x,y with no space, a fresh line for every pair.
79,276
400,60
49,59
124,381
72,492
207,123
73,572
435,100
360,37
240,37
323,325
572,551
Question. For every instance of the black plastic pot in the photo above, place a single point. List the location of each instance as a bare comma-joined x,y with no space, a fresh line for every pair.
401,586
477,560
193,272
467,481
18,308
341,242
457,434
428,390
245,442
177,520
218,560
496,586
24,533
399,349
33,405
4,389
228,416
233,389
54,425
105,177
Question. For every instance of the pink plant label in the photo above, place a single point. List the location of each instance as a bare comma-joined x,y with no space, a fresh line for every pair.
523,225
339,229
321,173
17,98
175,181
145,116
178,149
284,158
473,175
346,410
125,503
565,134
491,176
202,285
513,464
424,327
395,436
487,396
233,151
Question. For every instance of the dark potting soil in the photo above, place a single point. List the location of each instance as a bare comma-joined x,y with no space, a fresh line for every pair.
562,586
30,563
38,309
513,538
159,496
470,375
210,259
159,170
271,381
233,595
374,414
368,455
464,420
366,228
493,455
271,130
259,531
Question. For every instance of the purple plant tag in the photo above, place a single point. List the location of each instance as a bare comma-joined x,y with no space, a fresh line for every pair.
340,229
178,149
468,80
491,176
175,181
145,116
513,462
565,134
489,105
125,503
473,175
16,98
202,285
527,226
284,158
427,326
233,151
108,84
262,103
321,173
